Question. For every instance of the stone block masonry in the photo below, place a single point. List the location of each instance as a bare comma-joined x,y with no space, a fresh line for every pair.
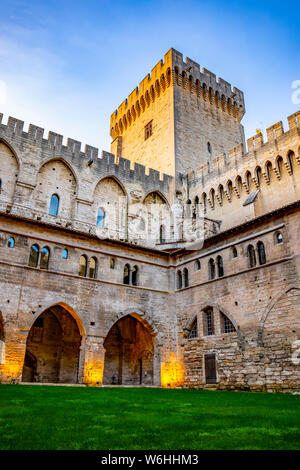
82,306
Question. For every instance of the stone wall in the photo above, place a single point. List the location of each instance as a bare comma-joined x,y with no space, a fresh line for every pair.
230,179
262,302
95,304
253,197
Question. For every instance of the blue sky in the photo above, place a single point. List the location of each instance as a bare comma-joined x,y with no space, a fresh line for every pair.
67,65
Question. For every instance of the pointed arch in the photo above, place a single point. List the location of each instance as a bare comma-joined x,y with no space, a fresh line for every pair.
258,174
139,315
248,179
179,279
9,170
55,178
156,196
251,256
64,305
269,170
239,184
211,269
261,253
291,161
186,277
54,340
279,165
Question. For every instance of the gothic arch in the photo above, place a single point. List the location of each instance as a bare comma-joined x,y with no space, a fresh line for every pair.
54,346
68,308
9,171
64,162
160,194
55,176
110,195
130,351
110,177
139,315
274,301
215,306
11,148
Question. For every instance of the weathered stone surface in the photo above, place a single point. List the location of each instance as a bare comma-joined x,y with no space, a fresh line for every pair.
82,335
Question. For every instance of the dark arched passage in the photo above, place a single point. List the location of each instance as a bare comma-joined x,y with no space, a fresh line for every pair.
129,353
53,348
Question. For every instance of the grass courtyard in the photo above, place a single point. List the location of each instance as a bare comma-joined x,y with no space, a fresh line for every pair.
47,417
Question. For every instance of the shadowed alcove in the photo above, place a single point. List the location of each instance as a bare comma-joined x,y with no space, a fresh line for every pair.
129,353
52,348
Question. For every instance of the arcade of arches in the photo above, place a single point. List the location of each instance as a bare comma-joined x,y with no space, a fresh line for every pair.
129,353
53,350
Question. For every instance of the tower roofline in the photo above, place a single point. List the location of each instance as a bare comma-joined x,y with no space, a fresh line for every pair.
173,69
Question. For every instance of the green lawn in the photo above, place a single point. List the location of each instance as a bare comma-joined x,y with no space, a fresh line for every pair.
41,417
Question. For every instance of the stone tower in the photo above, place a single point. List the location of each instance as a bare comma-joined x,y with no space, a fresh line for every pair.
178,118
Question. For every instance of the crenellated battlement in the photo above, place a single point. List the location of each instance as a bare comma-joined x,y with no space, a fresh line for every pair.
257,149
206,85
185,73
103,163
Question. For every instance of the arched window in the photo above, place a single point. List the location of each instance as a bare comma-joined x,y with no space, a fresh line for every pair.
194,330
234,252
212,198
126,276
261,253
290,159
249,180
112,263
229,188
11,242
196,208
280,165
239,184
54,204
34,256
209,147
251,256
221,193
226,325
197,265
258,175
269,170
220,266
204,203
92,267
179,280
211,269
186,277
162,234
208,322
278,238
65,253
82,266
45,255
134,276
100,217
